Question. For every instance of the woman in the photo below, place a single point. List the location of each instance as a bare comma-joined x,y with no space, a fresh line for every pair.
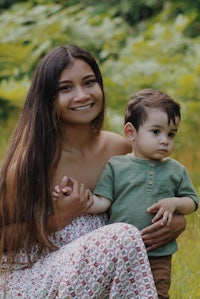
60,134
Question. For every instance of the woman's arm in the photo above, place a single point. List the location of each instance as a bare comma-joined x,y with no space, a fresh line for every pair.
157,235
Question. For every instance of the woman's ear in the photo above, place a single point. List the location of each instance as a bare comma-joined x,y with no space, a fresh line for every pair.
130,131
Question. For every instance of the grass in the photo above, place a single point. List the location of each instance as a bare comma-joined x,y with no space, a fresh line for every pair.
185,263
6,128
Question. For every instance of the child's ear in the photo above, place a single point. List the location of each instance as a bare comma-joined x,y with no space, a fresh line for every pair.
130,131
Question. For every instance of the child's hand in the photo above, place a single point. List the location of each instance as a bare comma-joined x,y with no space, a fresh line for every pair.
164,209
71,199
65,190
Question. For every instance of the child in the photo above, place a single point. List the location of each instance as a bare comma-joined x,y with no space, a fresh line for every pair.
146,185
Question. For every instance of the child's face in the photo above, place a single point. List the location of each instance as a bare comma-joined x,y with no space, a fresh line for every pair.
155,138
80,96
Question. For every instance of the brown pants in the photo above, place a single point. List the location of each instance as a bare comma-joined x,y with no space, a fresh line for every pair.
161,269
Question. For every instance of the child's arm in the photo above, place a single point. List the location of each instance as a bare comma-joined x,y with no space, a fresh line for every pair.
166,207
100,205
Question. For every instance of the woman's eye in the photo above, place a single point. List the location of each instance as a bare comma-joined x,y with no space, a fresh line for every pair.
90,82
65,88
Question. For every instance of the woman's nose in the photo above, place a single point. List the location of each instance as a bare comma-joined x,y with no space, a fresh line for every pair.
80,94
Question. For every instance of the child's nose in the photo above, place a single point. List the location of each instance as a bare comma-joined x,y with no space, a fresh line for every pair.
164,139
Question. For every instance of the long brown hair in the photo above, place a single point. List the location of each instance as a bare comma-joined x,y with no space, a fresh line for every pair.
33,154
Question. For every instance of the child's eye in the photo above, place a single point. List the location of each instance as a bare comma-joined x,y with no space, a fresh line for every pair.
171,135
155,132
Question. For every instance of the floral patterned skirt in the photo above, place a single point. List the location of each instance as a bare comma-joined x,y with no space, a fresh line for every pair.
93,261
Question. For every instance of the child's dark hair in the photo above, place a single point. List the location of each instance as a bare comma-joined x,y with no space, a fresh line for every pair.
136,110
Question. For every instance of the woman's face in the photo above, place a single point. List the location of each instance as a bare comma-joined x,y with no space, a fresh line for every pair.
80,97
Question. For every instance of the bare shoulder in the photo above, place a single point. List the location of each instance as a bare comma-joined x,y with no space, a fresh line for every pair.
116,144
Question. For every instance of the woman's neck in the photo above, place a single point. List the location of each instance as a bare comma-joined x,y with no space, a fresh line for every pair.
78,138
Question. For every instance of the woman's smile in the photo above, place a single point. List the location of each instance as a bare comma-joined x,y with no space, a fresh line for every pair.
83,108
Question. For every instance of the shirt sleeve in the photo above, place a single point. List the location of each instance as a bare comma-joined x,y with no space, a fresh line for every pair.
186,188
105,185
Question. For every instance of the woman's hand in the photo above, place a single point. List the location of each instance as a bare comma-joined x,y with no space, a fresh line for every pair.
71,199
157,235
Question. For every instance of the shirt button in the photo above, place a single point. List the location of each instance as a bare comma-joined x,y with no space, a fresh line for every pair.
150,182
151,164
150,172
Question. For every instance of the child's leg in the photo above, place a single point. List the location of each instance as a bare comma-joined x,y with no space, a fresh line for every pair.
161,269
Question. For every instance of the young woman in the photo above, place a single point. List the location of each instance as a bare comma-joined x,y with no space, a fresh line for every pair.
60,134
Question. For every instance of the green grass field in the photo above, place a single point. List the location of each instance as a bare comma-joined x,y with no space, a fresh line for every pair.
185,263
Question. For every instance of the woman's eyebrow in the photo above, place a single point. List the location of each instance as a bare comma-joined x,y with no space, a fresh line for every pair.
92,75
